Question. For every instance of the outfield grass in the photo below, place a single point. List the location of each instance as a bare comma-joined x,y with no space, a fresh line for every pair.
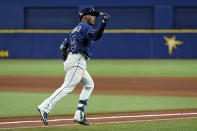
172,68
21,104
165,125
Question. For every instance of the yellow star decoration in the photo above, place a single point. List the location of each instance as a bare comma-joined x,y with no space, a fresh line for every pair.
171,43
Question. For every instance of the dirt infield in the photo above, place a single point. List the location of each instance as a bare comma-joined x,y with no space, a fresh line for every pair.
165,86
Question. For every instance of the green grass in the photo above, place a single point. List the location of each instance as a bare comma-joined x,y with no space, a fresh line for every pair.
172,68
31,67
165,125
21,104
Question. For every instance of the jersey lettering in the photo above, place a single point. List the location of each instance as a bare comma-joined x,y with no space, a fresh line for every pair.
76,29
73,43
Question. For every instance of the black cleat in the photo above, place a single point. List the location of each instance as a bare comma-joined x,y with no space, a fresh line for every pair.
83,121
44,116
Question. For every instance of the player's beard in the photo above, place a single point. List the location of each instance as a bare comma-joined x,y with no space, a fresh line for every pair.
91,21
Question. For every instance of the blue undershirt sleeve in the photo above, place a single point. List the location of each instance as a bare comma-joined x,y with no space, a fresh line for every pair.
96,34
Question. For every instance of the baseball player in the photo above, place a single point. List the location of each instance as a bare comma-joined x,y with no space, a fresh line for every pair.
77,49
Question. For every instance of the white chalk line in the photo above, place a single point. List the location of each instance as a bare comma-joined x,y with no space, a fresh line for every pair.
133,121
98,118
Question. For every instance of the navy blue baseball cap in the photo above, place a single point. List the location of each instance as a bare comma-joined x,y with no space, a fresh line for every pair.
88,11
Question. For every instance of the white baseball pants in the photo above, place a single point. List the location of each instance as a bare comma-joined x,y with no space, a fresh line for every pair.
75,66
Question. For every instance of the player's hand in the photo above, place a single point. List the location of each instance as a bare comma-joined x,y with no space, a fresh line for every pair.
105,17
62,47
64,44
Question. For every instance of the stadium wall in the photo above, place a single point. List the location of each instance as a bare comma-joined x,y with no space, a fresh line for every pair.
138,28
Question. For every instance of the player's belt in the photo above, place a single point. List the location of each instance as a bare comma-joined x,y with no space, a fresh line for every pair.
83,54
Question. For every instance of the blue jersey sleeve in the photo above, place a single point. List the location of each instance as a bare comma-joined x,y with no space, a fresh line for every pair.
90,31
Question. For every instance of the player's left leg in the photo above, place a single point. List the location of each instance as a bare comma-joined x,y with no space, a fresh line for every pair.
72,78
88,86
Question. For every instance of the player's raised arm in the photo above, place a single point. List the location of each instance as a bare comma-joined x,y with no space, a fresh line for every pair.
96,35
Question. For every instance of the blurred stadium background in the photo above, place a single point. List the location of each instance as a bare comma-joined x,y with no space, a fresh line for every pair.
139,29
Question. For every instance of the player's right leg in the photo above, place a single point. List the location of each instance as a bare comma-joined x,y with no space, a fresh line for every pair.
88,86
